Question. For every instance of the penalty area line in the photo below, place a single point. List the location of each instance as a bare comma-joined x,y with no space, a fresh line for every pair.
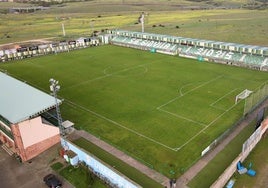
118,124
201,85
181,117
105,71
212,104
202,130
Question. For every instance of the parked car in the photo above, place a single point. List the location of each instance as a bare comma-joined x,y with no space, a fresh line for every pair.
52,181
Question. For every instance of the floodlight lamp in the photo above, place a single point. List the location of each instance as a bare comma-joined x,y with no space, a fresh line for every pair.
51,88
51,80
57,88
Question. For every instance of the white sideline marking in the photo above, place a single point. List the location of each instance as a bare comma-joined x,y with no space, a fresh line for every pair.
106,75
142,72
107,119
212,104
243,80
118,124
202,130
185,118
205,83
35,64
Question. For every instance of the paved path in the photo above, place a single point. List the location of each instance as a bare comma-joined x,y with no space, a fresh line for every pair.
197,167
124,157
29,174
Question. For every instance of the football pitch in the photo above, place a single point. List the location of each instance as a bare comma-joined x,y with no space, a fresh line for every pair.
162,110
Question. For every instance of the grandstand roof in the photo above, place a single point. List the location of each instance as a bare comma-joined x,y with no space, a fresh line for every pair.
265,48
20,101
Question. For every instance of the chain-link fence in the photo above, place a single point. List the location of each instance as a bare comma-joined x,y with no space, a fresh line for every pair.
256,98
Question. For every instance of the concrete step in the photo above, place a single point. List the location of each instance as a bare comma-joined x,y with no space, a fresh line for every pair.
7,149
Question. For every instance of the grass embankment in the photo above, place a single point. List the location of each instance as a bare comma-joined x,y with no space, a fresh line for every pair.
80,176
222,160
117,164
258,159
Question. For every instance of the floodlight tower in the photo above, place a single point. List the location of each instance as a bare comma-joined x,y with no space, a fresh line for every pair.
54,87
63,29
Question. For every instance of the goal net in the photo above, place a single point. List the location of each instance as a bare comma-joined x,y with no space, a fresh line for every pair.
244,94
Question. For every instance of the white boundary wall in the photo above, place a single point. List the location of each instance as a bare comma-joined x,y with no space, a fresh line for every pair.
99,167
227,174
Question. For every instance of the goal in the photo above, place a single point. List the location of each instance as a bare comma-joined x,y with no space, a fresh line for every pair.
244,94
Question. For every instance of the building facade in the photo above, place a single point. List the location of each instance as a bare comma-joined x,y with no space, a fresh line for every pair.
24,130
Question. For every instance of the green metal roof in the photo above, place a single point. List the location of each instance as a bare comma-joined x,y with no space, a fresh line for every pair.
265,48
20,101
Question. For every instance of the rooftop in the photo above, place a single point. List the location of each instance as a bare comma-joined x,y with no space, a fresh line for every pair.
20,101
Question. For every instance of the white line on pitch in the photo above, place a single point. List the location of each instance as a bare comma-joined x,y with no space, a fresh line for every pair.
201,85
118,124
106,75
222,97
219,108
184,87
177,149
105,70
223,113
35,64
181,117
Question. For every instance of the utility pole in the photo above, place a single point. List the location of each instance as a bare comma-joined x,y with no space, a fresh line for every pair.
54,87
141,20
63,30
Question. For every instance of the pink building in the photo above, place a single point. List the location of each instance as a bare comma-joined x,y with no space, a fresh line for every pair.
25,116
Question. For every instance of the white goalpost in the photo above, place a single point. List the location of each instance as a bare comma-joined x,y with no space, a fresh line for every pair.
244,94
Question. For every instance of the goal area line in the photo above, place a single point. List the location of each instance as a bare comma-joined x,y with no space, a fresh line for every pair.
206,127
160,108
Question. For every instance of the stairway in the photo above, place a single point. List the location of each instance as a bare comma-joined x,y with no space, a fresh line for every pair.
7,149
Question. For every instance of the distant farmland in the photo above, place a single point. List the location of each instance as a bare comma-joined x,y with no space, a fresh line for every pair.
82,19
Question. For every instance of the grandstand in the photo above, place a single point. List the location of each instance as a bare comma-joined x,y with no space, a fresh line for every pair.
163,47
250,56
255,57
21,52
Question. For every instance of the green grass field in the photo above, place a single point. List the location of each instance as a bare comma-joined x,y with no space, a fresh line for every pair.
160,109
